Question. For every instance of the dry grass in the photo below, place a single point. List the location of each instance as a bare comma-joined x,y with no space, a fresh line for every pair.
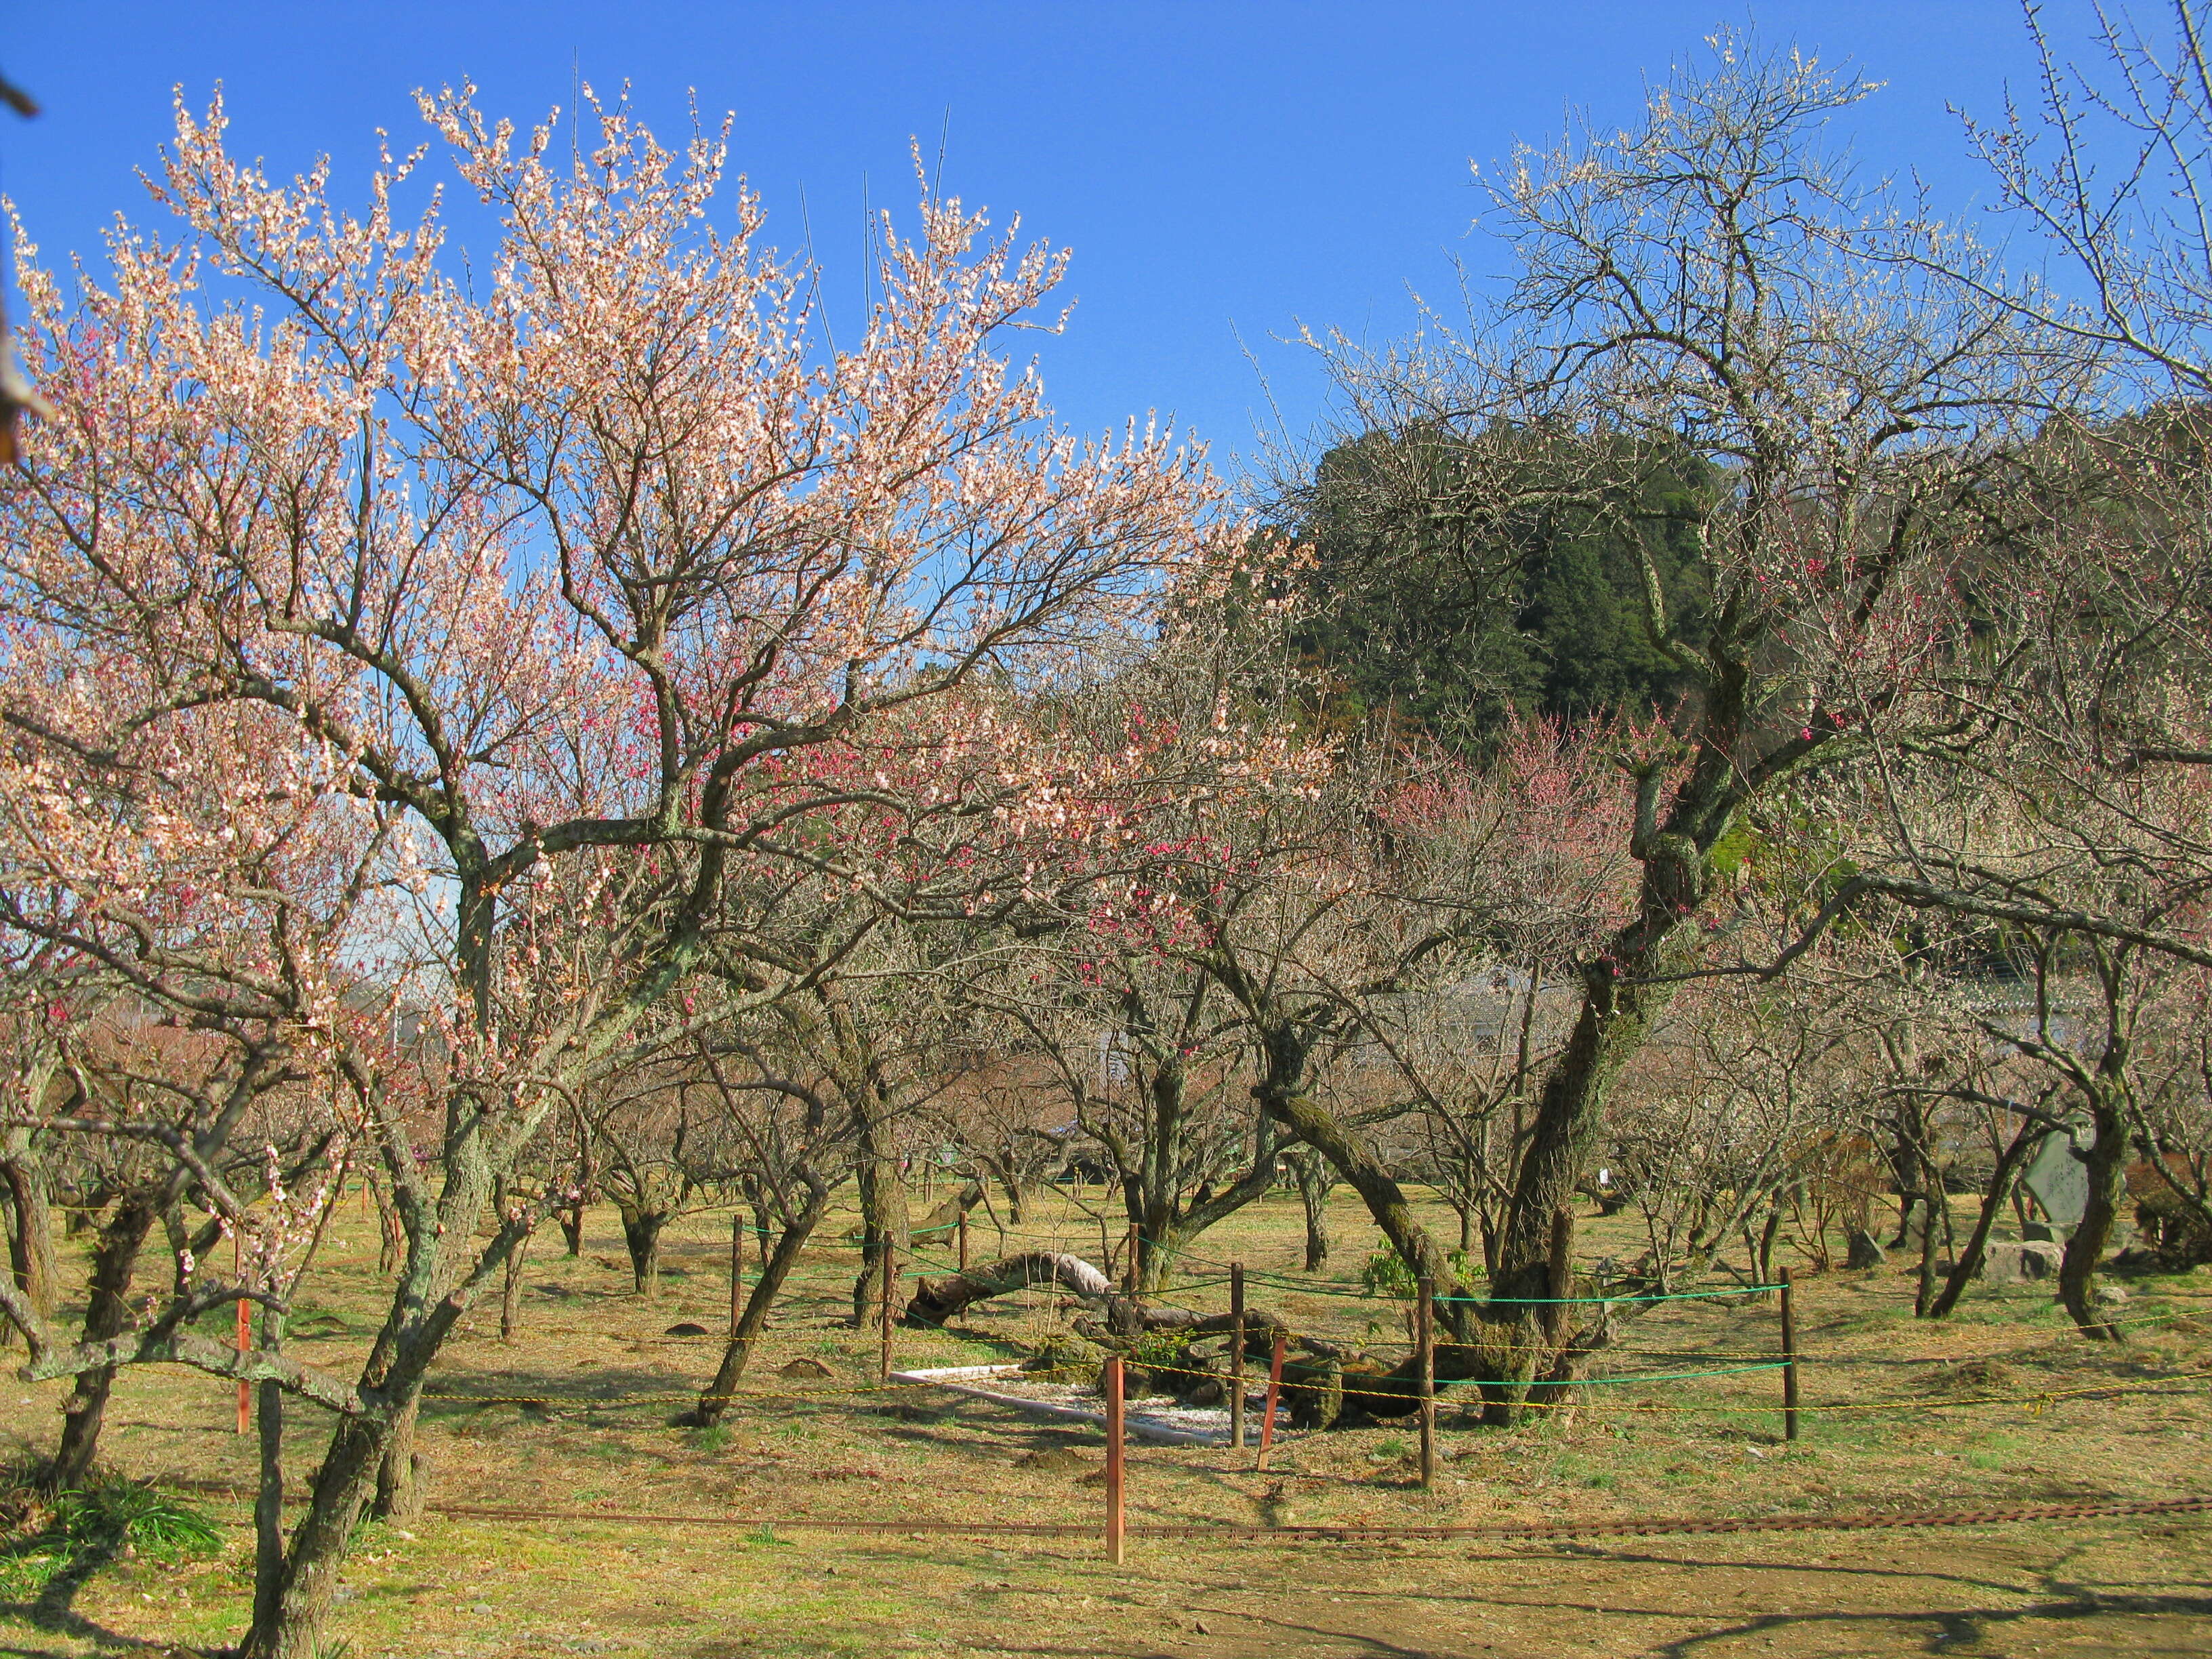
603,1383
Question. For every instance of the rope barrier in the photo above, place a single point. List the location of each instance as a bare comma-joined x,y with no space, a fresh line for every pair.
2038,1398
1356,1532
1346,1532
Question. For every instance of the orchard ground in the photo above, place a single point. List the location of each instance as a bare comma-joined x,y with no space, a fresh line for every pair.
1987,1409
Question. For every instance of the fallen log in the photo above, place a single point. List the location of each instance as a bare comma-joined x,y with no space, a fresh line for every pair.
939,1300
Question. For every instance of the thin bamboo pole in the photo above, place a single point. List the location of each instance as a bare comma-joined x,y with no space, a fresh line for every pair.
1236,1355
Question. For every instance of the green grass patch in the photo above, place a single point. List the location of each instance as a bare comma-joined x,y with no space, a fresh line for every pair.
79,1531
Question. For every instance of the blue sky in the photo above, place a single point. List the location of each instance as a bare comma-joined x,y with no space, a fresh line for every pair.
1222,171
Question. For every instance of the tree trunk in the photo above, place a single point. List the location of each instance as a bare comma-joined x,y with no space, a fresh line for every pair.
1768,1234
1313,1123
510,1296
1314,1179
641,1233
1924,1295
766,1288
391,1232
1616,1016
572,1228
268,1499
883,1212
939,1300
1993,1198
31,1239
965,1198
291,1627
401,1483
2107,1163
107,1314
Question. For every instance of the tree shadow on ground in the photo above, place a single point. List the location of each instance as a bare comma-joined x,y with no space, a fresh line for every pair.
1947,1630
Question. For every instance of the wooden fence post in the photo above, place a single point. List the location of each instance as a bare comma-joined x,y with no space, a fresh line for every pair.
1788,1362
1129,1263
736,1270
1274,1394
963,1241
1425,1326
1236,1355
1115,1460
891,1287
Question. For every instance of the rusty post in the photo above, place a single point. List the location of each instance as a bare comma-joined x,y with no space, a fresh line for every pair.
1788,1362
963,1241
1129,1262
1114,1460
245,1332
1274,1394
1424,1337
1236,1355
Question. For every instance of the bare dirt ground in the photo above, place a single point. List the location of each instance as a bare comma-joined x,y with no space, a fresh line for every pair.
1999,1406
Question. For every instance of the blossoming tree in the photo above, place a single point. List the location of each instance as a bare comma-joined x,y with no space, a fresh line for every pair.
521,594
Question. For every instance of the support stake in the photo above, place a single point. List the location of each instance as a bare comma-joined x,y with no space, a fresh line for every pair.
1236,1355
891,1282
736,1270
1274,1394
1425,1335
1788,1362
1115,1460
245,1335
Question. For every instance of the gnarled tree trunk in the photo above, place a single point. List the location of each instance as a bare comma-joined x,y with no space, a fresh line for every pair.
31,1236
642,1229
107,1314
2106,1165
1315,1179
885,1230
766,1288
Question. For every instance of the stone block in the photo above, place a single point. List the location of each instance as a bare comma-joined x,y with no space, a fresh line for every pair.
2007,1262
1863,1250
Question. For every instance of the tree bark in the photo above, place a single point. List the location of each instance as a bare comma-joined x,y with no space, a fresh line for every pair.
510,1296
400,1483
1313,1123
767,1286
106,1314
1315,1180
2107,1163
391,1232
641,1234
293,1623
882,1210
1931,1194
268,1498
1993,1198
939,1300
31,1239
